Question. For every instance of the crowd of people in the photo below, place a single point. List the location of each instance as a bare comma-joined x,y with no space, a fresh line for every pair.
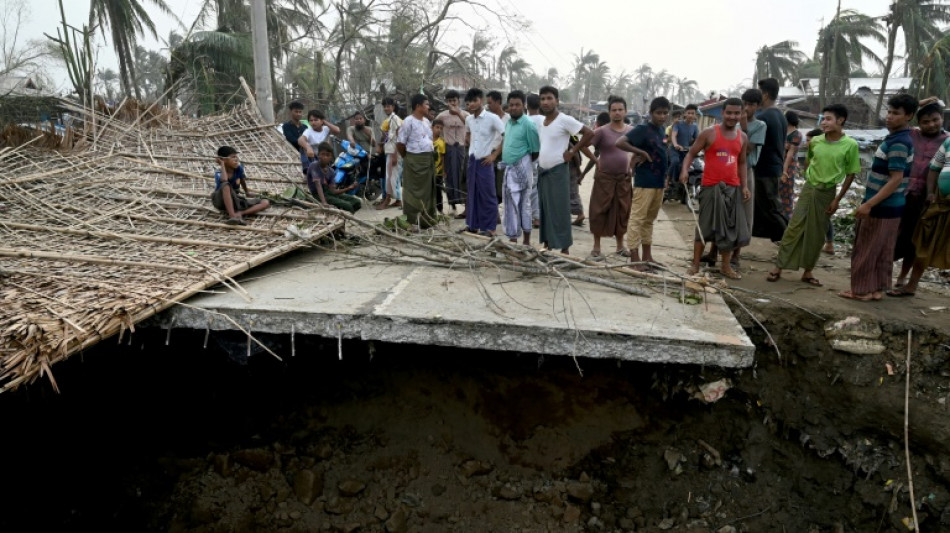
519,152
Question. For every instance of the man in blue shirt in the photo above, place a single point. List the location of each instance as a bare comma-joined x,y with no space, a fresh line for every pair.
295,127
227,180
646,143
683,136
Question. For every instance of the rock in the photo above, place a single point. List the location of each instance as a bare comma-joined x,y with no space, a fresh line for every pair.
351,527
584,478
627,524
595,508
438,490
853,335
222,465
666,523
475,468
398,522
507,492
581,492
381,513
295,515
255,459
308,485
571,514
726,529
351,487
340,506
674,459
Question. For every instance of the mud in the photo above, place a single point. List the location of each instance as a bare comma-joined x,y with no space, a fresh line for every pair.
403,438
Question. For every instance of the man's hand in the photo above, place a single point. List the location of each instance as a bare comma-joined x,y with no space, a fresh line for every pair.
832,207
684,175
568,155
454,109
490,160
310,153
678,148
931,198
746,194
864,211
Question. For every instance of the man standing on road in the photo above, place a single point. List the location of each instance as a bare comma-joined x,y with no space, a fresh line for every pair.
453,131
534,114
646,143
721,217
832,158
390,132
520,149
495,106
769,221
414,144
682,136
612,192
554,177
481,211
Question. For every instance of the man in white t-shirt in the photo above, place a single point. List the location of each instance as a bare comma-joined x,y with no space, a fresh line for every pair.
495,106
554,177
318,132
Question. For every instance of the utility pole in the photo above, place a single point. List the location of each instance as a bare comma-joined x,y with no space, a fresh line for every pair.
262,85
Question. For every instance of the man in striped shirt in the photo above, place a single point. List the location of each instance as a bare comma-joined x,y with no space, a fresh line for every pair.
879,216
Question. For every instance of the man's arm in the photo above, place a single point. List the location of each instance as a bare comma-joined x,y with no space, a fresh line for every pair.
744,169
932,185
586,135
305,146
893,182
791,152
833,206
289,134
673,142
624,144
401,149
334,129
349,135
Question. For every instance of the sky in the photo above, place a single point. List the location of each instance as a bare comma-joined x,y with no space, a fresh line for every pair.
710,41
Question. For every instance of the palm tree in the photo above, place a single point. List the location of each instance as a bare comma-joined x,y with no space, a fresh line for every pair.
210,63
840,49
127,20
583,70
779,61
933,77
685,89
918,19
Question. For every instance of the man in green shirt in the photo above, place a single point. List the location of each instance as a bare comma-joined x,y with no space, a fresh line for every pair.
832,158
519,149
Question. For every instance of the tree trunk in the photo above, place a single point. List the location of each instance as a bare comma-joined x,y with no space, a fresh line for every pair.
891,38
130,60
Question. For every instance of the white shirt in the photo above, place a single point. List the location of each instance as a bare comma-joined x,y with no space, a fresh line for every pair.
483,129
394,124
314,137
538,120
500,138
416,135
555,138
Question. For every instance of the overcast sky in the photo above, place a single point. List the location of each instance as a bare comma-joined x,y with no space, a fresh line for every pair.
710,41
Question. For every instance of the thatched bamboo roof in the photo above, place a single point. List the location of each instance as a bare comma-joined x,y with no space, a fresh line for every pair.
94,240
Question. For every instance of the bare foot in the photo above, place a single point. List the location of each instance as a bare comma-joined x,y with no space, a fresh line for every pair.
693,270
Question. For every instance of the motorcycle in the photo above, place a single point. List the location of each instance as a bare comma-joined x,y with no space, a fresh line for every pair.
353,163
686,193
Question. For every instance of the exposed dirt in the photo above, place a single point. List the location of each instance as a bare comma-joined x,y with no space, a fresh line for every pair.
401,438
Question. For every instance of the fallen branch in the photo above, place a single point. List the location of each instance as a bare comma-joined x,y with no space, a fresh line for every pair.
910,474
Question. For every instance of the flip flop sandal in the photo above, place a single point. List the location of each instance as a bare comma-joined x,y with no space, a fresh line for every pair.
848,295
578,223
623,252
773,277
732,275
597,256
900,293
812,281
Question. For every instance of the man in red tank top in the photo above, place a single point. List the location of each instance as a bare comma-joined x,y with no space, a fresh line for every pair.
721,217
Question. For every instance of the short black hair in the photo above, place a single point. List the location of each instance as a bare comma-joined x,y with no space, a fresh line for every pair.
494,96
660,102
295,105
533,102
838,110
903,101
417,100
325,147
316,113
753,96
438,122
474,94
603,118
611,100
692,107
929,109
792,118
732,101
677,114
389,101
226,151
451,93
548,89
516,95
813,133
769,86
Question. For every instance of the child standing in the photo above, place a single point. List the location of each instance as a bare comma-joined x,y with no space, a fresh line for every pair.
227,180
438,149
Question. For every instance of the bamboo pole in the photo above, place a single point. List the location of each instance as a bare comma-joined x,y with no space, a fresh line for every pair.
135,237
53,256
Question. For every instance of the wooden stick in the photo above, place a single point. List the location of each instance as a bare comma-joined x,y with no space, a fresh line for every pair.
910,473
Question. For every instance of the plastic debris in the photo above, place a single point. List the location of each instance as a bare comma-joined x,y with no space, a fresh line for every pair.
714,391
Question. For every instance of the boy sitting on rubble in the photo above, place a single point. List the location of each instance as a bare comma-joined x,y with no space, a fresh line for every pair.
226,182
